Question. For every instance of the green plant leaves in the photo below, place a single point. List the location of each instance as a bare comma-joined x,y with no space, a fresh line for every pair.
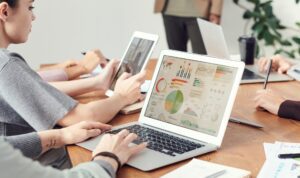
296,40
267,27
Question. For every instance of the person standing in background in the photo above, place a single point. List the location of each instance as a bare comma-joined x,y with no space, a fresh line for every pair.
180,21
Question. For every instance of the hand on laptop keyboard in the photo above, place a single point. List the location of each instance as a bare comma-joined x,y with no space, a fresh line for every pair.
160,141
118,145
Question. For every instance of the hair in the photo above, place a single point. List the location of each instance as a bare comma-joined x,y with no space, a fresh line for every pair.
11,3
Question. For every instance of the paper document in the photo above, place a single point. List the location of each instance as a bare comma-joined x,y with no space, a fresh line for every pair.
203,169
275,167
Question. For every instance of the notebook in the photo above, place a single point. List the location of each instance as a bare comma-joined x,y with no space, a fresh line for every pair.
203,169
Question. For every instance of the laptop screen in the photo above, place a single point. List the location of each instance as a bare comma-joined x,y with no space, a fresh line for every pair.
135,57
191,94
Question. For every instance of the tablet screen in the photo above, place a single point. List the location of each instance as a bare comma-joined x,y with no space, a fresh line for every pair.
135,58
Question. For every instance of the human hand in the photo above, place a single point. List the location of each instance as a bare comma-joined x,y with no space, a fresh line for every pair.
279,64
103,80
214,18
92,59
268,100
119,145
129,87
82,131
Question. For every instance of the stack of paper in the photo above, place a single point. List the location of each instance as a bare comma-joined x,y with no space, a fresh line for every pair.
203,169
275,167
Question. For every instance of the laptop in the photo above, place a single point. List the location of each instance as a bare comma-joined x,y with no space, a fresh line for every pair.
136,56
186,110
215,44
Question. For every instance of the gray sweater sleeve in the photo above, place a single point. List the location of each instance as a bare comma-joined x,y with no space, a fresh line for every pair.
29,144
14,164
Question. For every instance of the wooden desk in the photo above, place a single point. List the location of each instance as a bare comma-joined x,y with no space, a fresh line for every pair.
242,145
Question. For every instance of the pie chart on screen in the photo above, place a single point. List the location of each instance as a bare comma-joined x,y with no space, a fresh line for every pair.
174,101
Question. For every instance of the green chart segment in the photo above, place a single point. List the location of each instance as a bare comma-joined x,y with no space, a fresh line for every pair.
174,102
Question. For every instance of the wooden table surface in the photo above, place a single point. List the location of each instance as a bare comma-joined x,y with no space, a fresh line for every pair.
242,146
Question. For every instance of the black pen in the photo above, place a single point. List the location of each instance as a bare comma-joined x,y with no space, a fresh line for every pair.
289,155
84,53
268,74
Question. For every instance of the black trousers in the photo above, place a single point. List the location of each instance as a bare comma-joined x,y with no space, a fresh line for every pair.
181,29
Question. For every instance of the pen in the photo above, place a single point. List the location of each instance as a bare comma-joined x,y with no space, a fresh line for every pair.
289,155
84,53
216,174
268,74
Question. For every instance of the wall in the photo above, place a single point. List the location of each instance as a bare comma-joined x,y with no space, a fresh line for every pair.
65,28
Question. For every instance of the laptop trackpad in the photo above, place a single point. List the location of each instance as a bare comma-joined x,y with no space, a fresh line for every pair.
149,159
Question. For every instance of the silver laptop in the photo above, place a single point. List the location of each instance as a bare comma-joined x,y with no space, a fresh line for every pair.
186,110
215,44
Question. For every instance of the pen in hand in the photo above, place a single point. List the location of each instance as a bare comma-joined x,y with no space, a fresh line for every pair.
268,74
84,53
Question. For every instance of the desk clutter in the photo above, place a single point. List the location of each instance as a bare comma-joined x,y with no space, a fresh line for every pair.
203,169
282,160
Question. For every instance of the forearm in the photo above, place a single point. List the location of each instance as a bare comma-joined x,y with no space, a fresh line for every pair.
101,110
104,110
50,139
14,164
75,87
75,71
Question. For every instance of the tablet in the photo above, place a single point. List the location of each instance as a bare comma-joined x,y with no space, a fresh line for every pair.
136,56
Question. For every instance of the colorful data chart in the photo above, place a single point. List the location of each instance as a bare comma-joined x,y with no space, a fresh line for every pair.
221,72
189,111
177,83
197,82
189,124
174,101
184,71
161,85
167,64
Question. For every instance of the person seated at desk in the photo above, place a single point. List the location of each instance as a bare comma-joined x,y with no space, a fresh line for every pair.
29,104
72,69
111,153
271,101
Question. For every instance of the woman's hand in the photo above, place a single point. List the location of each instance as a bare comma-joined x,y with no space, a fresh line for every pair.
268,100
92,59
82,131
103,80
279,64
119,145
129,87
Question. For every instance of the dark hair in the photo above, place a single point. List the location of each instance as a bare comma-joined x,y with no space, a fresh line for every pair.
11,3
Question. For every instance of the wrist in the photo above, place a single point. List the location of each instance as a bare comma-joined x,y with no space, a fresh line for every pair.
63,136
120,98
109,160
50,139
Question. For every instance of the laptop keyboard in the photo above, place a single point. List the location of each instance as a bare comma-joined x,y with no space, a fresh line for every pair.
159,141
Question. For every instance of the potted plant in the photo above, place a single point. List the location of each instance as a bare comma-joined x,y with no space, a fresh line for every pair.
268,29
